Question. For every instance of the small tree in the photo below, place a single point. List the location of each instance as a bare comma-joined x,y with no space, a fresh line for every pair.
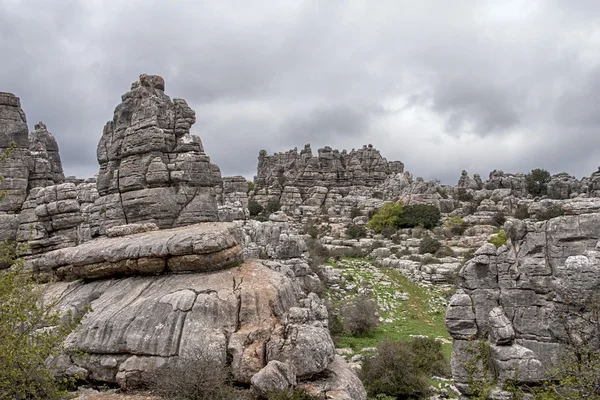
456,225
359,315
424,215
254,208
356,232
31,330
273,205
537,182
387,216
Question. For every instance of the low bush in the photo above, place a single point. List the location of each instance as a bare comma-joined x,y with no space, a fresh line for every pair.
444,251
443,193
273,205
295,395
499,239
498,219
388,216
402,369
355,212
424,215
522,212
356,232
377,195
549,213
359,315
319,254
463,194
250,186
254,208
197,377
429,245
456,225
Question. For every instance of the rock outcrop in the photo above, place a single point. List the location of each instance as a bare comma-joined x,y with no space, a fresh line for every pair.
47,168
520,299
151,168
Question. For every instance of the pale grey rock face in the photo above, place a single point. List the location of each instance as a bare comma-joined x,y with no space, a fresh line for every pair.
562,186
500,180
195,248
521,296
338,383
46,165
275,376
151,168
15,169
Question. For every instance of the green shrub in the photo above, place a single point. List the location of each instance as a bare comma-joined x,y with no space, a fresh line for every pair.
499,239
498,219
387,216
295,395
522,212
355,212
430,357
254,208
429,245
377,195
250,186
444,251
443,193
424,215
456,225
273,205
537,182
463,194
397,369
356,232
549,213
359,315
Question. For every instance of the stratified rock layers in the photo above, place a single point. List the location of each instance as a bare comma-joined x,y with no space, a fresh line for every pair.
151,168
524,296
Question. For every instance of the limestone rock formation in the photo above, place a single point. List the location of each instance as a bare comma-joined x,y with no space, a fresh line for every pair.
47,167
15,169
523,295
151,168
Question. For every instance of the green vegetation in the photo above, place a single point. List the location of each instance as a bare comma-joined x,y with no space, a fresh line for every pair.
429,245
273,205
356,232
254,208
405,308
402,369
522,211
424,215
537,182
499,239
31,330
463,194
250,186
549,213
359,315
456,225
355,212
388,216
498,219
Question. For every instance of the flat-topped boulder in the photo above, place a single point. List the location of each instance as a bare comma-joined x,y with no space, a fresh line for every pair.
194,248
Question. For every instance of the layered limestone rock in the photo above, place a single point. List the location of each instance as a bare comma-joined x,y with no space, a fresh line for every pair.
15,168
519,300
47,167
151,168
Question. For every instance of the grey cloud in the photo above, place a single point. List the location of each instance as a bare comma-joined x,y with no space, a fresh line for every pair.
408,77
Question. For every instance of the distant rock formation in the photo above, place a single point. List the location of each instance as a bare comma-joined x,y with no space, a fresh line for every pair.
47,168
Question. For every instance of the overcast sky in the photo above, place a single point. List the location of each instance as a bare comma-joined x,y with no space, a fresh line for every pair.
440,85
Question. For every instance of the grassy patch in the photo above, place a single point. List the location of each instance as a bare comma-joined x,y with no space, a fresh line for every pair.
406,309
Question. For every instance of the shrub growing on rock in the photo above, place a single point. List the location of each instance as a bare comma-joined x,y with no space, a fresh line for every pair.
359,315
537,182
456,225
273,205
388,216
549,213
254,208
522,212
498,219
429,245
402,369
499,239
463,194
355,212
424,215
197,377
356,232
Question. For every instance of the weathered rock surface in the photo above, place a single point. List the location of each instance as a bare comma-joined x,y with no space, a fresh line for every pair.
47,167
275,376
523,296
140,324
338,382
151,168
195,248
